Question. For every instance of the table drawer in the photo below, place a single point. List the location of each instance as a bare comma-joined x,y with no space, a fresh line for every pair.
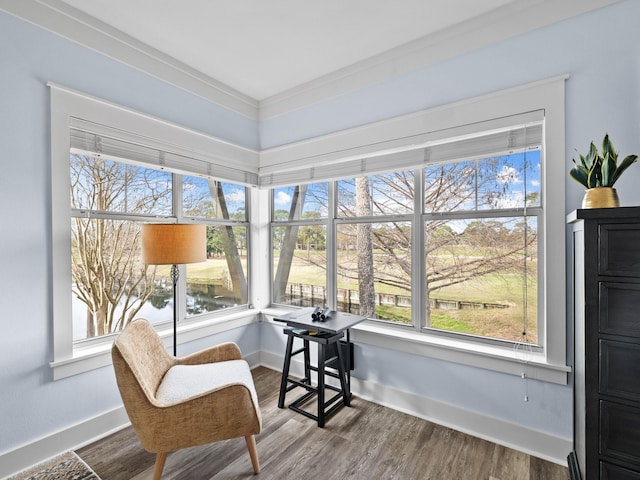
619,307
620,431
620,369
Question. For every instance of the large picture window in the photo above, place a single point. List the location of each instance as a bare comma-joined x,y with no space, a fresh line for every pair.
114,169
473,268
110,199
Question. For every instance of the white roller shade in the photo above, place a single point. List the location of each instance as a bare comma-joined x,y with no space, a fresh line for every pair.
485,139
88,137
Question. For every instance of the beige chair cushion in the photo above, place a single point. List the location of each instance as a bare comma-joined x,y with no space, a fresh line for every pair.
184,382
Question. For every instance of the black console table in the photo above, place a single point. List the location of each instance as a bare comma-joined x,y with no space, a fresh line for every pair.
333,353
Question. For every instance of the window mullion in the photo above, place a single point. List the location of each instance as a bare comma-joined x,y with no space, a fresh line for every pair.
331,247
181,287
418,274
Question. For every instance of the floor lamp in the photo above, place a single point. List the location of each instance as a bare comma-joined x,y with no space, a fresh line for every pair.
173,244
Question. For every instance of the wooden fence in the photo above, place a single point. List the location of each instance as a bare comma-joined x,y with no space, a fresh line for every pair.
307,294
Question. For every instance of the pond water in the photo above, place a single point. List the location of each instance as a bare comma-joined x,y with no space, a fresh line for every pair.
201,298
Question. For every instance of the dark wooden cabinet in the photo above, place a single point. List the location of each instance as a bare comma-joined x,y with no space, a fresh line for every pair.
606,274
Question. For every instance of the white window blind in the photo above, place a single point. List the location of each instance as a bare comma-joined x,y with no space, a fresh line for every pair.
491,138
89,137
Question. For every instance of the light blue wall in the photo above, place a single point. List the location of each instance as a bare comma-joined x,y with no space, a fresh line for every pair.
31,404
601,52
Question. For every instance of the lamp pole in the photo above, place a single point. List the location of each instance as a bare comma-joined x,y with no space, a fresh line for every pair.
175,274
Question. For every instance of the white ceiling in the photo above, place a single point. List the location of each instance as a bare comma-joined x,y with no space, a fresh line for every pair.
264,47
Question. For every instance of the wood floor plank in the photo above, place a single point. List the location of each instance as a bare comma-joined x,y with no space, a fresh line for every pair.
365,441
509,464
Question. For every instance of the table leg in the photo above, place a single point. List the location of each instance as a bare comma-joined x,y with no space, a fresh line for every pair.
307,361
321,360
346,392
285,371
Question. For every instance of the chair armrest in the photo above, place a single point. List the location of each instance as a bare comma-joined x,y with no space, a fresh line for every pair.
218,353
222,414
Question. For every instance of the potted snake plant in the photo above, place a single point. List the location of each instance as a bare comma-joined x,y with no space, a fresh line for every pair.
598,173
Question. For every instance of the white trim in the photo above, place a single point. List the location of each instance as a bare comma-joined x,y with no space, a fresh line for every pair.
67,106
492,137
518,437
513,19
533,442
465,116
547,95
99,354
489,357
73,437
69,438
78,108
399,133
69,22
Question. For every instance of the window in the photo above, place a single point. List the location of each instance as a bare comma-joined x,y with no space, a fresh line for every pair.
299,245
109,201
455,145
480,222
114,169
373,245
472,269
220,282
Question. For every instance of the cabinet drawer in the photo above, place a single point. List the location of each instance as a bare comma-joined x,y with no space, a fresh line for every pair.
619,254
620,431
613,472
619,307
620,369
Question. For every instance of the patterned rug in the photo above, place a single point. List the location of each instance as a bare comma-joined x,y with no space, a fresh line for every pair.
67,466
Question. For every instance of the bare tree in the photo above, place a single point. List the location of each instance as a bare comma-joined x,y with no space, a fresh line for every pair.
289,243
364,249
107,273
230,245
499,245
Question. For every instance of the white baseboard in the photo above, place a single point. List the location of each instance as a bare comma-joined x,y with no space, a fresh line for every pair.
518,437
70,438
74,437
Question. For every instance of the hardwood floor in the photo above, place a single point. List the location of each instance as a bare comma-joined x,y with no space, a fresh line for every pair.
364,441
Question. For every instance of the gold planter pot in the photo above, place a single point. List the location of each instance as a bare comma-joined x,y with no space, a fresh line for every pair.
600,197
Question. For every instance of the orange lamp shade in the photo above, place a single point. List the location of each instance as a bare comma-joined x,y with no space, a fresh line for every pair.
173,243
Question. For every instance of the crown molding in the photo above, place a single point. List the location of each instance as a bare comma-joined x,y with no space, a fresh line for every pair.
74,25
513,19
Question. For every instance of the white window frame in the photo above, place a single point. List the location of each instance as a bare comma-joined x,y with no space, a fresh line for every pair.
68,108
345,151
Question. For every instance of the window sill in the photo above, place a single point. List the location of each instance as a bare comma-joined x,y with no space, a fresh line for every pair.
97,355
505,360
490,357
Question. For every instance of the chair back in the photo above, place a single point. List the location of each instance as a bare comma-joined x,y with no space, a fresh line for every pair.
139,349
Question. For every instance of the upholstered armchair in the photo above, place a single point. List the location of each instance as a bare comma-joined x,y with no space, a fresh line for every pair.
180,402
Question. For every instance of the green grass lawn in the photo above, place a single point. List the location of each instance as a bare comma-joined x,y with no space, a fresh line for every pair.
495,288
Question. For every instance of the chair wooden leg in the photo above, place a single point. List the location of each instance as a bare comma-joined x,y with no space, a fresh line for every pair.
253,452
160,458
